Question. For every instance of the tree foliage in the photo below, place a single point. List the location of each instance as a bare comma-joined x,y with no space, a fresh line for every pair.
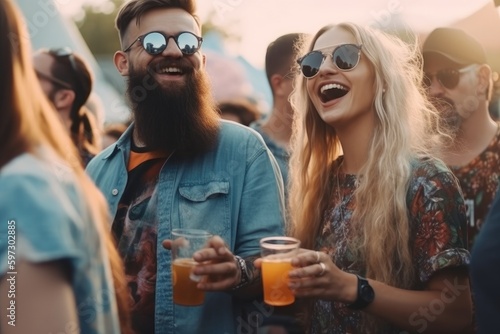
98,28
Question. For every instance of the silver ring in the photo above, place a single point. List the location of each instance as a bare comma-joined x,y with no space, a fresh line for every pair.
323,269
317,257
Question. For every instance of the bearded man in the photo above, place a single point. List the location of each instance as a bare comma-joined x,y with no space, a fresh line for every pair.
459,83
180,165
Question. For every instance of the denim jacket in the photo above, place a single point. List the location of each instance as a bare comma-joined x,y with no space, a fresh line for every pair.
234,191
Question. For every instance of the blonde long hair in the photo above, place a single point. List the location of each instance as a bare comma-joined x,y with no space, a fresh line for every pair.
406,130
28,122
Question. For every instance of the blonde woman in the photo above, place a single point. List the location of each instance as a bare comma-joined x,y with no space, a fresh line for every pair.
57,260
382,219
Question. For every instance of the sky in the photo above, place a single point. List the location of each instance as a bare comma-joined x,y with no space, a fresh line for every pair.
259,22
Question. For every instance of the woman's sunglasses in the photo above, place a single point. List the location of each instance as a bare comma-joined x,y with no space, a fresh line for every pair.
155,42
54,80
345,57
448,78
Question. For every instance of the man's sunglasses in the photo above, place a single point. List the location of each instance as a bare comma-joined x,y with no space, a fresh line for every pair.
155,42
345,57
54,80
448,78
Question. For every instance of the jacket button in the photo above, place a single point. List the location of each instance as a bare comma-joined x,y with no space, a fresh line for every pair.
114,192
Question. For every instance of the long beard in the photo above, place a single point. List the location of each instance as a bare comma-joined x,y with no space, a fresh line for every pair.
181,118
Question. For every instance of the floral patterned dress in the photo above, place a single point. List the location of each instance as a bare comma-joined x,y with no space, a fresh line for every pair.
437,215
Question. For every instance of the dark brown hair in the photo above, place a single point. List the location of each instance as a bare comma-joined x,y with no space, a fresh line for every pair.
281,55
84,129
79,78
135,9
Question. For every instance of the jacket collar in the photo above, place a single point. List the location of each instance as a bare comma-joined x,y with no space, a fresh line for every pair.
123,143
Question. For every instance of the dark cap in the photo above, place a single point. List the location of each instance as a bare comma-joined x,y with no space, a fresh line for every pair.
456,45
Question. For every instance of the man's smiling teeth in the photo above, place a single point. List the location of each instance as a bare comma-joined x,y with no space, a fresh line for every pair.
171,70
332,86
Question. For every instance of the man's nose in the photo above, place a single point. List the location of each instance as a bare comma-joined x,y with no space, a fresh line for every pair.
172,50
435,88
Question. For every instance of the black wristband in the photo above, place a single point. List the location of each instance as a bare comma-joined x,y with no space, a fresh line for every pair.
365,295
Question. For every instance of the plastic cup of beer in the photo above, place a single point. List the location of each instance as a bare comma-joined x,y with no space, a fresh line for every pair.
277,253
185,242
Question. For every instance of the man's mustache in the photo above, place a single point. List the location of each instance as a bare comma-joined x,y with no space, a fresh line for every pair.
182,64
442,103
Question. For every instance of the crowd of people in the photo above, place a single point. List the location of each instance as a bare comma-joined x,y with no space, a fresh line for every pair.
379,155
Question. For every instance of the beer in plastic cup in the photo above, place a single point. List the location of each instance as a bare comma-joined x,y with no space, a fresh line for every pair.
277,253
185,242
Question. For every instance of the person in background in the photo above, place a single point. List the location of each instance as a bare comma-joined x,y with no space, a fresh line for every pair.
60,271
112,132
276,128
180,165
239,110
67,81
485,270
459,83
96,107
379,217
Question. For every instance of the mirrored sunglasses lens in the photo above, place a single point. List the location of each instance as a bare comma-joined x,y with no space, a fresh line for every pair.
188,43
154,43
311,63
346,57
448,78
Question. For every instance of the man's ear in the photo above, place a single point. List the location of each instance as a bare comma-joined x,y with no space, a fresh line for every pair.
121,62
64,98
484,78
277,81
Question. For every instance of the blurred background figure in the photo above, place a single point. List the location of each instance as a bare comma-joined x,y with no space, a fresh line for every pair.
276,127
459,83
239,110
65,258
95,105
67,81
485,270
228,77
112,133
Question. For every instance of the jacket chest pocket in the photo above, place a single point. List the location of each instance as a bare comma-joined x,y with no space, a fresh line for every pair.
206,206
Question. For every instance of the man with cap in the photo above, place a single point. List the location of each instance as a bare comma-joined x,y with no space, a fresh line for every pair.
459,83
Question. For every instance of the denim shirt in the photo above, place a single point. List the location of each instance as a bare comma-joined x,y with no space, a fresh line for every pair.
234,191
